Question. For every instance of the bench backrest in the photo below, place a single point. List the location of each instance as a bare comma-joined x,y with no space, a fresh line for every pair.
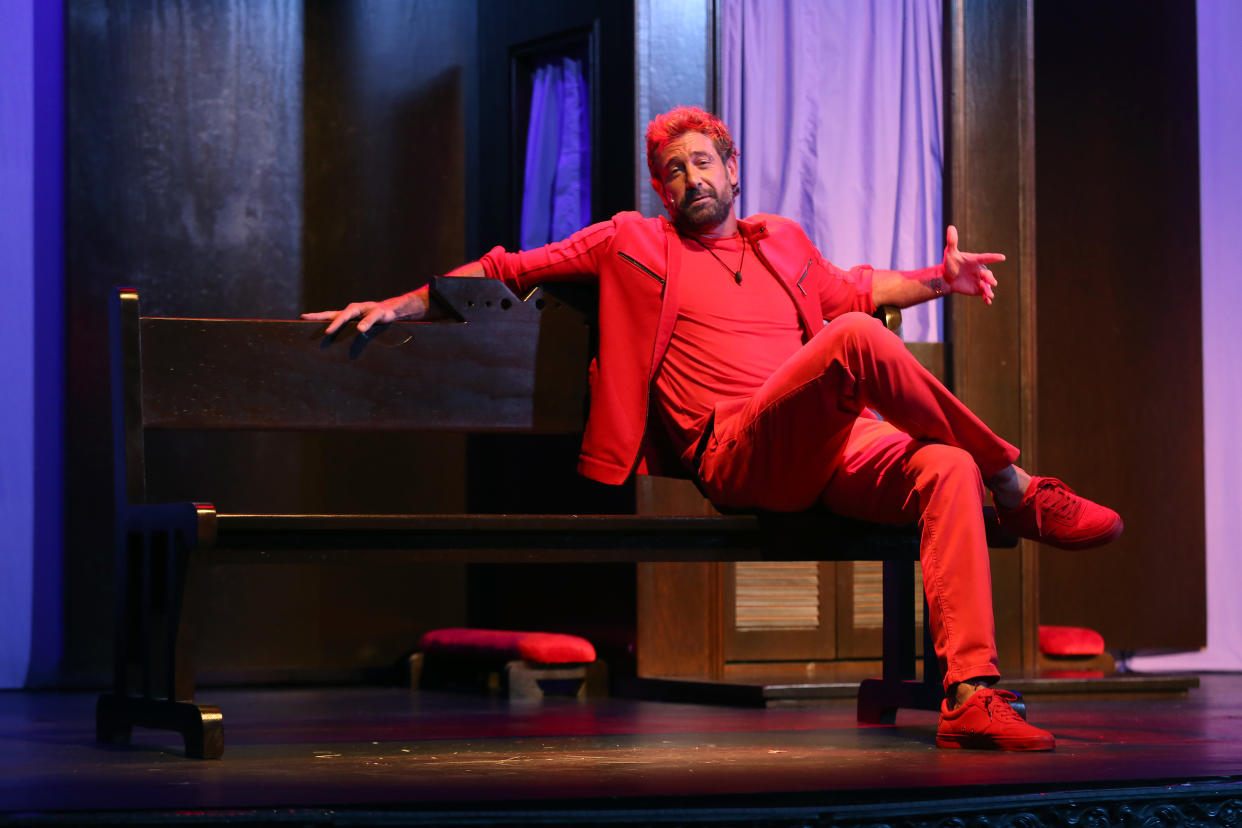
503,365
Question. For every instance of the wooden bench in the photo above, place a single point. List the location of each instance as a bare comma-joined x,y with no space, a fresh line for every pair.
503,365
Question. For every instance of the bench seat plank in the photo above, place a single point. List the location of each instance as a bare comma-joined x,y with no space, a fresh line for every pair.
554,538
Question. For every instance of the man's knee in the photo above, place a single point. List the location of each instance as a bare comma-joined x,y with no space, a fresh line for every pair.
941,468
856,331
856,323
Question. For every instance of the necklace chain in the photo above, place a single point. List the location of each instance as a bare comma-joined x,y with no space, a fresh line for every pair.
736,274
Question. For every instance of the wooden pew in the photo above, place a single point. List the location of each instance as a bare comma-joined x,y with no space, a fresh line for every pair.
502,365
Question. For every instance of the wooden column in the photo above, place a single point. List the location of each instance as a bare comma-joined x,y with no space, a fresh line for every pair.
989,195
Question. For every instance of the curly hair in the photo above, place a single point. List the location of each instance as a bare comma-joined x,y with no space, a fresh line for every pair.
680,120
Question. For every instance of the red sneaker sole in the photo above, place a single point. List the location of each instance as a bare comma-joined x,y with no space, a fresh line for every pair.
1102,540
983,743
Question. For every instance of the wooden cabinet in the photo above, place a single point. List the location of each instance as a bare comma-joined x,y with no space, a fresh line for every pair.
715,620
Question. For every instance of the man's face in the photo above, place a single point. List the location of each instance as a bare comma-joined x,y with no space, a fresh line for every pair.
696,186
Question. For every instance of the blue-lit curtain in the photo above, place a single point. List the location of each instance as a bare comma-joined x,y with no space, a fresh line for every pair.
836,108
556,195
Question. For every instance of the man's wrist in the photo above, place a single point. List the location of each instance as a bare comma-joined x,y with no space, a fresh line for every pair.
414,304
933,278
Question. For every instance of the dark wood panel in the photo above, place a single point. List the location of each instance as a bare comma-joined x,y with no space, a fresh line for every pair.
182,172
679,622
509,28
510,33
1120,385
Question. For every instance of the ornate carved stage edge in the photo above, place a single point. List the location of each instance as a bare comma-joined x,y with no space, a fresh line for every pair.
1182,804
1199,804
1190,804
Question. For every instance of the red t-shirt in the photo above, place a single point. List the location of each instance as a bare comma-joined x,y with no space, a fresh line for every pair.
728,339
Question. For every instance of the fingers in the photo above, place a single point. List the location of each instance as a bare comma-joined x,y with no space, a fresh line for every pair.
374,314
987,280
351,311
951,241
354,310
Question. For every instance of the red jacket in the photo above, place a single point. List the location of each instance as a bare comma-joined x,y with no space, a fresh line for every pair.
636,262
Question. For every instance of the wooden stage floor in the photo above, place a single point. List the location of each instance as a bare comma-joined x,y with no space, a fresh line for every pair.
385,755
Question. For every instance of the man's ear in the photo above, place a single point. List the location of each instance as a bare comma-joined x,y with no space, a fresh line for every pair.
659,190
731,167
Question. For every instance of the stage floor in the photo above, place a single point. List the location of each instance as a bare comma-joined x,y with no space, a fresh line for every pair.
332,751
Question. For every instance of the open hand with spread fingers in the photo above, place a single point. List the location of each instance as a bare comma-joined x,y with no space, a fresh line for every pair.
968,273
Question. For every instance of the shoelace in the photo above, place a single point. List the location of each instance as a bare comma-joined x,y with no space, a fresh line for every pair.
998,708
1060,501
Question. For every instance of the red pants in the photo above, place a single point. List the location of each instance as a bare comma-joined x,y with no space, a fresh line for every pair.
807,437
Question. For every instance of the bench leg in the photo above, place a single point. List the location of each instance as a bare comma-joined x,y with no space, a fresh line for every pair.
154,671
200,725
524,682
520,682
880,699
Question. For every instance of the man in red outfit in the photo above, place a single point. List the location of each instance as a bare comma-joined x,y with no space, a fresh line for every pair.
719,323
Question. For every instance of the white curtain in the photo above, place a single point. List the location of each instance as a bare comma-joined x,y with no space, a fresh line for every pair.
836,108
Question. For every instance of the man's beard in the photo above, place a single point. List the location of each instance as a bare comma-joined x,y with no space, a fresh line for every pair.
705,214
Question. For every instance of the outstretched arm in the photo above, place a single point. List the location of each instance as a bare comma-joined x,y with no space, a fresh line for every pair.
415,305
960,272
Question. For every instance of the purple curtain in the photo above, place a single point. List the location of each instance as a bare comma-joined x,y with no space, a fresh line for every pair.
1220,216
556,194
836,108
17,272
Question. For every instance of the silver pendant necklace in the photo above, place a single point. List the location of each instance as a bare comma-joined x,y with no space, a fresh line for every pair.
736,274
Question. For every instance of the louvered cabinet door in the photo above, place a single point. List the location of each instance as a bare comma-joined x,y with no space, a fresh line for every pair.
779,611
806,611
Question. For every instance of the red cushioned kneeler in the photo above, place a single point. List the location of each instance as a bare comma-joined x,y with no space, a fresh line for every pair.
519,664
1072,652
536,647
1070,641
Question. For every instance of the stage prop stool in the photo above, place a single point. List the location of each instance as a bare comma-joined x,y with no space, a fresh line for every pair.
520,665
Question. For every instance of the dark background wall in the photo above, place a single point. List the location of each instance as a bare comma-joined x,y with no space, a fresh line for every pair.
260,160
1119,311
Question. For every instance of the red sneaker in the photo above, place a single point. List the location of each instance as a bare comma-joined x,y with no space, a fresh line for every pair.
985,721
1051,513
